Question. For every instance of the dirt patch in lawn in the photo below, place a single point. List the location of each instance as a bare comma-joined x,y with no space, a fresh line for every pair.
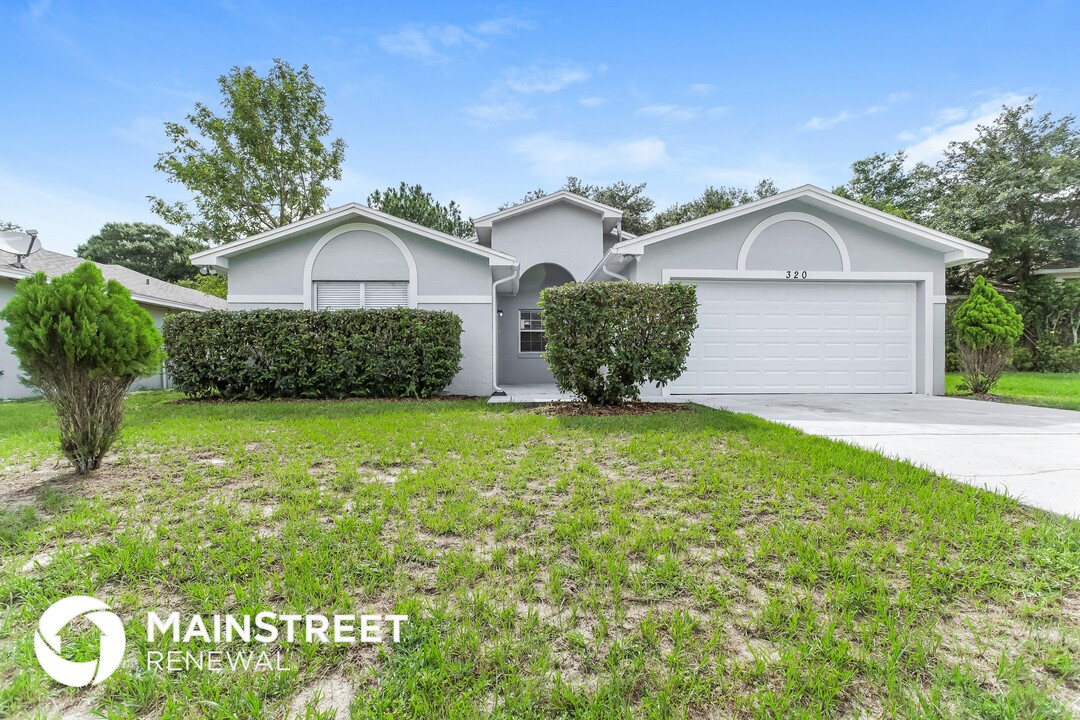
580,409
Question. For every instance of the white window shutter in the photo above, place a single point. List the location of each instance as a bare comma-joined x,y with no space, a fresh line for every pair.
345,295
386,294
339,295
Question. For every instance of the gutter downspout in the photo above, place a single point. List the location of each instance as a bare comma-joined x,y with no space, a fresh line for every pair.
616,275
496,390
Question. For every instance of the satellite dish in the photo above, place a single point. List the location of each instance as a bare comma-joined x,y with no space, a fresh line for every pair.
20,244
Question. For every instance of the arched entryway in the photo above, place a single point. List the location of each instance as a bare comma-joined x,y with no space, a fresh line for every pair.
521,333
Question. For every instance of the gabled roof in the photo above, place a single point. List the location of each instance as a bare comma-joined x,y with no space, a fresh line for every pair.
144,289
610,216
219,256
1061,270
956,251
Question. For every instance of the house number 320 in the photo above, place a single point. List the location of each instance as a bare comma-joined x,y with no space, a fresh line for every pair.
796,275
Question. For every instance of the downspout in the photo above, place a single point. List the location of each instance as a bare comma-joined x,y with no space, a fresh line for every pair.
496,390
616,275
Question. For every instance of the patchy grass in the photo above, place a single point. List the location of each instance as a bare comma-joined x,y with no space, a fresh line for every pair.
1055,390
689,564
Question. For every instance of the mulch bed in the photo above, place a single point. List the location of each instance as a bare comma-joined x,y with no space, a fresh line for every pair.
578,409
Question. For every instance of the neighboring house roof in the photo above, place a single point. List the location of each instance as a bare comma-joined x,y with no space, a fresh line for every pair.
956,251
1061,270
219,256
144,289
610,216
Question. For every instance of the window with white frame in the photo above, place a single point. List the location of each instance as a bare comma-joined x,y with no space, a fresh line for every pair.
531,332
350,295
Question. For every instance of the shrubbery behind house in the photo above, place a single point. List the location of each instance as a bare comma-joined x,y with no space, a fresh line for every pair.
256,354
604,340
82,342
987,327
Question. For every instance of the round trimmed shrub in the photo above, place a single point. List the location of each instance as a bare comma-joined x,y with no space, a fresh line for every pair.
82,342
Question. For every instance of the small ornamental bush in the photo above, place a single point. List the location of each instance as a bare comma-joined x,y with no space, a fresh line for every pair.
82,342
987,327
606,339
256,354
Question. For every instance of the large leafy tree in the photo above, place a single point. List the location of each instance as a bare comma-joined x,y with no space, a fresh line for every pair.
143,247
712,200
410,202
636,206
1015,188
265,162
885,182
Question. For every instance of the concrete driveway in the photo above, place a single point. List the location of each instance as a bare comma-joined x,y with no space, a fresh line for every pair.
1031,453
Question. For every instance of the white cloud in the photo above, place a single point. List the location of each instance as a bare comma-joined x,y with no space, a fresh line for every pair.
540,79
819,122
592,102
434,43
954,125
701,89
502,101
553,158
65,216
145,132
680,113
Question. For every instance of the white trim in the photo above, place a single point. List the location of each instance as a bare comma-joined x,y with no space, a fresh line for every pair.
309,264
218,256
957,251
278,299
924,283
940,299
845,259
452,300
562,196
172,304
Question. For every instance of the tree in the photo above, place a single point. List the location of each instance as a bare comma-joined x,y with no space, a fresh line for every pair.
143,247
712,201
410,202
5,225
82,342
624,196
212,284
264,163
987,327
1015,188
884,182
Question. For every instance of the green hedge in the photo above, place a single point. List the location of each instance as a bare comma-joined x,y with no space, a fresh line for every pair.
606,339
257,354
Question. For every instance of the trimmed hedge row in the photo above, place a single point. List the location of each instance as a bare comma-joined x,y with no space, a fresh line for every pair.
256,354
606,339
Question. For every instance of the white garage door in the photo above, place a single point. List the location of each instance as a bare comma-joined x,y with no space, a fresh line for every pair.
802,337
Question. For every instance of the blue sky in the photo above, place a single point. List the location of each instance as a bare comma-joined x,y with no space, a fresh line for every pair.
483,102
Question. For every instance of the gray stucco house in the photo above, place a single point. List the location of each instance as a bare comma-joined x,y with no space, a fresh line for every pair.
800,292
157,297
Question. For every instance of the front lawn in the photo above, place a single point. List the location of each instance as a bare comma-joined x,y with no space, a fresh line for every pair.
693,564
1056,390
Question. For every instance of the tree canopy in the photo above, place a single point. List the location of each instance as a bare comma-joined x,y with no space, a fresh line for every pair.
143,247
713,200
263,163
410,202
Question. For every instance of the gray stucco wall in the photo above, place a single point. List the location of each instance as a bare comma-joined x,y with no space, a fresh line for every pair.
273,277
803,246
515,367
12,389
562,233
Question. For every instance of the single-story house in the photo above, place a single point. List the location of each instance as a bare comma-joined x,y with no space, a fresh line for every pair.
157,297
801,292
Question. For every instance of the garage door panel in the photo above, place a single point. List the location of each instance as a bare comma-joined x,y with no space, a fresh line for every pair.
768,336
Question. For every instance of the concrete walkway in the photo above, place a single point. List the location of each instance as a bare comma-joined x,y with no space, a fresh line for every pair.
1031,453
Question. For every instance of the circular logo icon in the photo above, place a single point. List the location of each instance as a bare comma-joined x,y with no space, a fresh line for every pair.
47,641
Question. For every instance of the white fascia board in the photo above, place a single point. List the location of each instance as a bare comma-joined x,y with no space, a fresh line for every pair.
913,232
215,256
606,211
